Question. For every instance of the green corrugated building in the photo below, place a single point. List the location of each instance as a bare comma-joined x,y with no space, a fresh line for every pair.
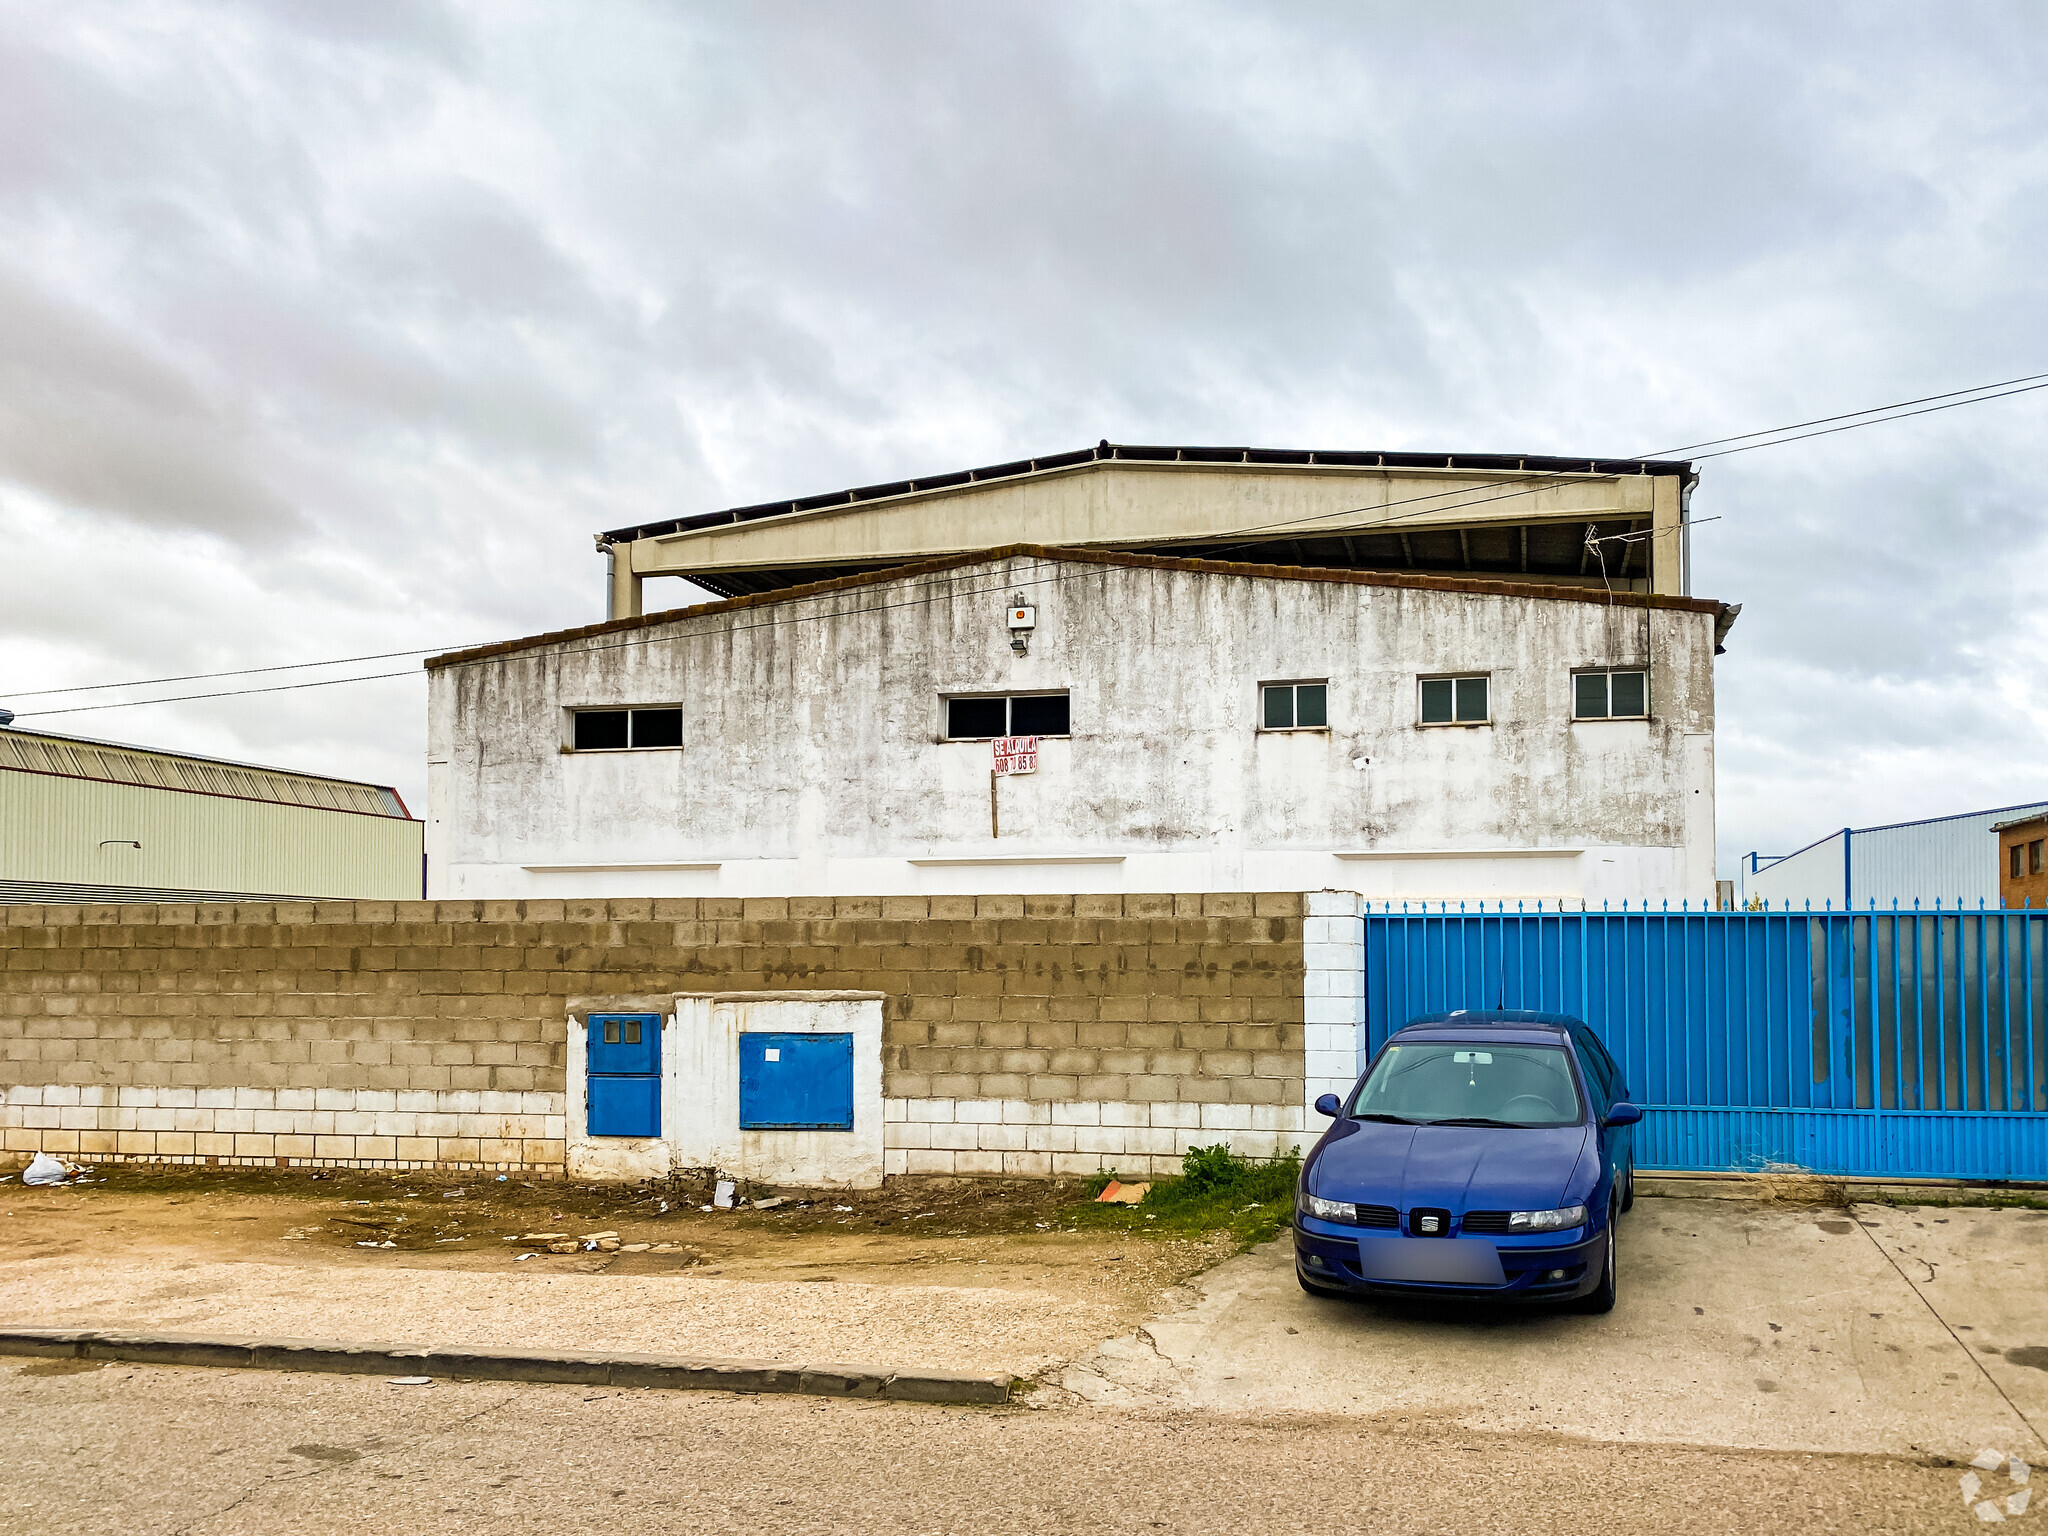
84,820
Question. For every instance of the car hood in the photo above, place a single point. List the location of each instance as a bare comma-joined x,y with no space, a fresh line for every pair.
1457,1167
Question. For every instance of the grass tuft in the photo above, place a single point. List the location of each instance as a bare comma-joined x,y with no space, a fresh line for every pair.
1217,1191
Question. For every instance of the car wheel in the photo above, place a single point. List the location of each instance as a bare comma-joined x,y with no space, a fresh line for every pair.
1601,1299
1628,1192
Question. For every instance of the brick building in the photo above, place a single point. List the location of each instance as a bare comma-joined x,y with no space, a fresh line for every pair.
2023,861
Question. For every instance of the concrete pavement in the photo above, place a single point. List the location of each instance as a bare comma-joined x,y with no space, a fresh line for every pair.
142,1450
1759,1326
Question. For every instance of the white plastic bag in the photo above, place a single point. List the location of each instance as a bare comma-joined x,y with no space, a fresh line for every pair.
44,1170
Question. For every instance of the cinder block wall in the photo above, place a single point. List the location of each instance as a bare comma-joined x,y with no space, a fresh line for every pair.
1025,1034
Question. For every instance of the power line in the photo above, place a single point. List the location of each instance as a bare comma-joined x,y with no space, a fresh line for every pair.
232,693
1772,433
1877,421
1715,442
1774,436
193,677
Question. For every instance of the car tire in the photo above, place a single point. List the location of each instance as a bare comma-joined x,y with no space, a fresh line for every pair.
1628,1191
1601,1298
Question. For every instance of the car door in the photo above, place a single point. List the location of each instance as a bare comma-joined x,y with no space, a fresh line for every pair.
1603,1075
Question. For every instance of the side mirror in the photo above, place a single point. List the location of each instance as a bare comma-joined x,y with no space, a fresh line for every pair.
1623,1113
1328,1105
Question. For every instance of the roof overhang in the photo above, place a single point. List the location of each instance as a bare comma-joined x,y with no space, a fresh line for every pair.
1534,590
1518,516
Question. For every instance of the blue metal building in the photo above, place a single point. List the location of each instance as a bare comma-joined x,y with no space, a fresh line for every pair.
1953,859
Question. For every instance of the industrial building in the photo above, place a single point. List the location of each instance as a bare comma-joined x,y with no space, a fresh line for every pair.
1468,677
1605,524
98,821
1951,859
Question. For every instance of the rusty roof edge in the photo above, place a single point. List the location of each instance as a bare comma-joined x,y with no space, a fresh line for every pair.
1068,554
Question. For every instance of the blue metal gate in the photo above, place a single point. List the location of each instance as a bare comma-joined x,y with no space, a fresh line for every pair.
1909,1044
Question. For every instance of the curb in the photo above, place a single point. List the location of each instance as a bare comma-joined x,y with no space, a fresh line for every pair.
579,1367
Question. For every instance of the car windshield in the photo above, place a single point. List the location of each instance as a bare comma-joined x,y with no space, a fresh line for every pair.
1434,1083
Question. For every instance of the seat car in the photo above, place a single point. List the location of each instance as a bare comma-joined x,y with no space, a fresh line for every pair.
1483,1155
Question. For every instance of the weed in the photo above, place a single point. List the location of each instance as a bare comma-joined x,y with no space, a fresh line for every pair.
1216,1191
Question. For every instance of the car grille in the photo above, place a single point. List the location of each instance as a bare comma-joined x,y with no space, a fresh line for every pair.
1378,1216
1486,1221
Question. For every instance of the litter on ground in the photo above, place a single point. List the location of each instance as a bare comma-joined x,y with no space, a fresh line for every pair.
1114,1193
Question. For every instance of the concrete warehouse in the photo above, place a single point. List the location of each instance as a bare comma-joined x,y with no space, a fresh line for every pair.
1203,725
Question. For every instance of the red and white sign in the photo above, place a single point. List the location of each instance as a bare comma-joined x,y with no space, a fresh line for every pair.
1016,754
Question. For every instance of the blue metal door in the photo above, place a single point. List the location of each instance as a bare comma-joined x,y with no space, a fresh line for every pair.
624,1074
1902,1043
796,1082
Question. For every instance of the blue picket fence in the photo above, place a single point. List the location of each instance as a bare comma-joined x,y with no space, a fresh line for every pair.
1910,1044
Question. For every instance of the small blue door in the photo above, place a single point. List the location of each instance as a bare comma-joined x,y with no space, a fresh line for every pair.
624,1074
796,1082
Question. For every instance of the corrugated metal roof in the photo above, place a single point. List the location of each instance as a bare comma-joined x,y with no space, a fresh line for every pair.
1106,451
82,757
63,893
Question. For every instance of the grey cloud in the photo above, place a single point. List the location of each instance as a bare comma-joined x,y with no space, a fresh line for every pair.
455,286
90,418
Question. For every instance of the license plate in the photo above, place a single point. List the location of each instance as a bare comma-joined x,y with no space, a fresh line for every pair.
1430,1260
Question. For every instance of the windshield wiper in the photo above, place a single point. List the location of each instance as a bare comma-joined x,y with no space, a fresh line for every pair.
1393,1120
1513,1125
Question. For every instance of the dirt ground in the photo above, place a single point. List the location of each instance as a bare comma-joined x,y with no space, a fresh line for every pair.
958,1274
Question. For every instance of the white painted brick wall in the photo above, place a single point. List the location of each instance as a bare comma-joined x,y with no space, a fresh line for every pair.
1333,1006
266,1126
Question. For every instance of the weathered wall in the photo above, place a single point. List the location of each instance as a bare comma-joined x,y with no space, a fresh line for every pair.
1026,1035
813,761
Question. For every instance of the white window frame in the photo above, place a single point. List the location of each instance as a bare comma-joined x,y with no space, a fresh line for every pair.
946,711
1453,678
571,711
1609,673
1294,706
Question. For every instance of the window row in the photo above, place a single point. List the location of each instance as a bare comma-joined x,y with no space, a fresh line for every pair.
1606,694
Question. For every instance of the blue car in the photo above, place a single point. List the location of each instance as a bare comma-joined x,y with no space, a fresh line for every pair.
1482,1155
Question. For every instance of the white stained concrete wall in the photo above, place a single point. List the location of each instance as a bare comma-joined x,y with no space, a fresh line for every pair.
700,1092
814,762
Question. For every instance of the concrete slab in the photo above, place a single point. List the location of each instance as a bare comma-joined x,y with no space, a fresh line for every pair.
1985,1273
1760,1326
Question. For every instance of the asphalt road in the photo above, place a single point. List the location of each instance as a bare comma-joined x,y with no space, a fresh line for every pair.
143,1450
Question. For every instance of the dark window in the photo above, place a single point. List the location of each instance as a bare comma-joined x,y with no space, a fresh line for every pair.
2015,861
1039,714
1619,695
600,730
657,728
614,730
1454,701
1294,706
2035,862
972,719
1024,714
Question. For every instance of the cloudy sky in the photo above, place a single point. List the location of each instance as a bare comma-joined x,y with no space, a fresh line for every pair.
336,329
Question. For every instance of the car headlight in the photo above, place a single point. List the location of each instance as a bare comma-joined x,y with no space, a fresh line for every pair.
1547,1221
1328,1210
